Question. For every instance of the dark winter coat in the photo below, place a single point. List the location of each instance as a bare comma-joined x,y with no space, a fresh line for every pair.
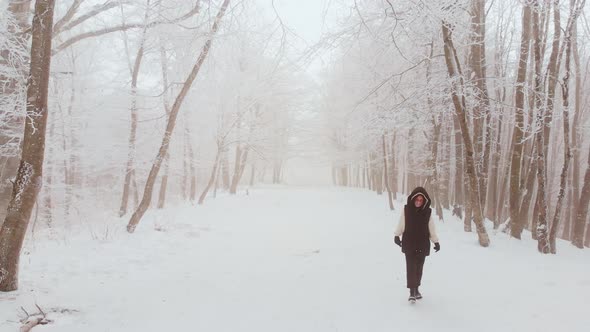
416,235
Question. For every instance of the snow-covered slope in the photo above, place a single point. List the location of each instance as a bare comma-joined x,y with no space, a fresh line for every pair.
292,259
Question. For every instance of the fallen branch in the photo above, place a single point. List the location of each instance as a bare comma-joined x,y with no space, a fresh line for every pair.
31,321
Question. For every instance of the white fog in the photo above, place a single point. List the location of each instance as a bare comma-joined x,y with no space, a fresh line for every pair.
294,165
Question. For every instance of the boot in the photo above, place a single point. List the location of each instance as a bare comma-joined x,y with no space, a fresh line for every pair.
412,297
417,294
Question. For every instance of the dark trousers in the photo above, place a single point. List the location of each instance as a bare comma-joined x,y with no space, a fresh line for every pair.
414,268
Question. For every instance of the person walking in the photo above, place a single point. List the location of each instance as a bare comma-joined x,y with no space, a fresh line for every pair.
417,230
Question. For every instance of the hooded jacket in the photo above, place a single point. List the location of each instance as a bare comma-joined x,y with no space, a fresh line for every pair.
416,225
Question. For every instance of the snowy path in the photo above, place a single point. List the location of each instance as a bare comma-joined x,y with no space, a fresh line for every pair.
293,259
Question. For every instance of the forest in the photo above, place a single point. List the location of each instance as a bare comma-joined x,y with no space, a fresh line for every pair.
118,109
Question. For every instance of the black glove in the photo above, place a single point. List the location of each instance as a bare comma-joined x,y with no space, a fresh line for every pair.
397,241
437,247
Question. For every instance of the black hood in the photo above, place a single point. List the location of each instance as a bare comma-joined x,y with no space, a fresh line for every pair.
419,191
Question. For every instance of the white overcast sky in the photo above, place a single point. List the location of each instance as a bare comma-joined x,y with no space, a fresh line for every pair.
308,19
304,17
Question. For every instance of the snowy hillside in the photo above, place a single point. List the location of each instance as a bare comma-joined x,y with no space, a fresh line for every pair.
292,259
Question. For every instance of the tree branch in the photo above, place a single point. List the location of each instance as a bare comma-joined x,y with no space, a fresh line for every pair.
67,17
96,33
123,27
94,12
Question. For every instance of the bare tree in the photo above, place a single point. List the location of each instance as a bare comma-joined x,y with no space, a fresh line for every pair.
192,181
582,211
242,152
147,195
76,15
164,183
542,227
386,174
130,170
29,177
518,134
455,74
575,12
214,172
481,112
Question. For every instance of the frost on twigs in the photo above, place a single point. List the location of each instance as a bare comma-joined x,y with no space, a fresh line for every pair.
31,115
13,76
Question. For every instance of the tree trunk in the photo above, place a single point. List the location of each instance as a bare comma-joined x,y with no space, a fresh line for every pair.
377,174
542,231
459,196
518,134
240,166
492,211
567,228
252,174
455,74
468,218
552,73
243,165
433,165
494,180
164,183
29,178
216,183
527,198
577,134
72,175
47,199
225,170
193,171
582,211
502,204
385,174
147,195
237,166
67,177
277,171
184,185
566,125
368,174
212,177
129,173
481,110
344,176
535,218
393,165
445,185
587,241
363,177
434,143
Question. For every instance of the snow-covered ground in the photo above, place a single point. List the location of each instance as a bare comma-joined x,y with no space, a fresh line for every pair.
292,259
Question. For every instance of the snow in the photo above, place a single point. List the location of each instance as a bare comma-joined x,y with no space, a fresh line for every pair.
292,259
